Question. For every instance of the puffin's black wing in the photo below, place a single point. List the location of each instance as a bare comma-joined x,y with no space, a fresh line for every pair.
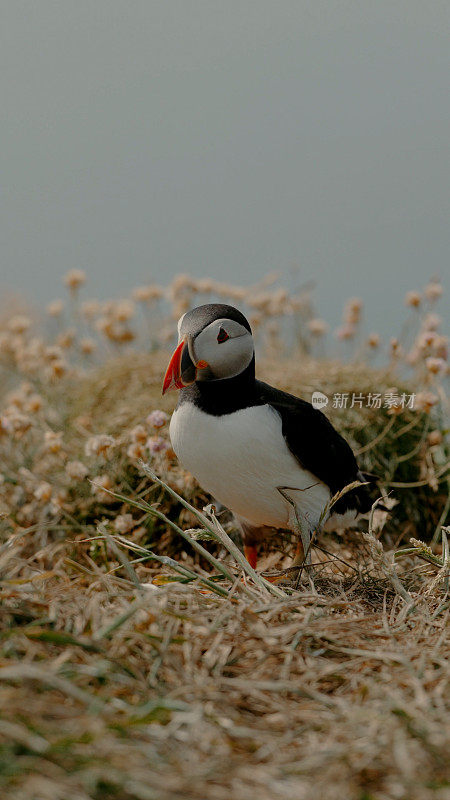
318,447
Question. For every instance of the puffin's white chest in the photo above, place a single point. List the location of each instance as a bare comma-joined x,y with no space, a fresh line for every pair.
241,459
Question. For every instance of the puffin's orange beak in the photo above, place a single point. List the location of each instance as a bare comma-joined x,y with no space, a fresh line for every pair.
181,370
172,378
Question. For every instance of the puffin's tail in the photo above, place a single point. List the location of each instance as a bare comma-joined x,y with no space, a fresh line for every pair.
372,480
359,499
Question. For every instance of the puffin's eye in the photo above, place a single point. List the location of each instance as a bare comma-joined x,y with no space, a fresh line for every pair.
222,336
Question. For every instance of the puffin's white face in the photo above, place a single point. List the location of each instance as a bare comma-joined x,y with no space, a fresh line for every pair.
225,348
222,349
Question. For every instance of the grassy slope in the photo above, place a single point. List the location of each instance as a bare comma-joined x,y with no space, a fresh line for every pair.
109,691
120,394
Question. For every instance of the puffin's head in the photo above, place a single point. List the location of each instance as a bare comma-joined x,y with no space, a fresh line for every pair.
214,341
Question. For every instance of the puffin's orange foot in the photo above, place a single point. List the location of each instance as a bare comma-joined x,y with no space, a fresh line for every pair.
274,578
251,554
299,555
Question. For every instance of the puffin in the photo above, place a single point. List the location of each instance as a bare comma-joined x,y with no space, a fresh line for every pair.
269,457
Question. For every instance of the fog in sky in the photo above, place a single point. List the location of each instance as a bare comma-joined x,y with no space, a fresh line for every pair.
230,139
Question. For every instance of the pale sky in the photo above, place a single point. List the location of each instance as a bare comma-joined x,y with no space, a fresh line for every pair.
230,139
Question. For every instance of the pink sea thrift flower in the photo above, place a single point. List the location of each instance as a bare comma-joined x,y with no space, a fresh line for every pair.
99,445
436,365
156,444
433,290
76,470
413,299
157,419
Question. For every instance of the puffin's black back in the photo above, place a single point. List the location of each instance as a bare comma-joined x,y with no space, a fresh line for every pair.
318,447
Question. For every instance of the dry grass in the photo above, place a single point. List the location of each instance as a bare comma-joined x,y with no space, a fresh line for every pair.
141,661
116,690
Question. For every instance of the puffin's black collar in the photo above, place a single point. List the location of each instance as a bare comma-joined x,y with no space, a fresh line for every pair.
223,396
